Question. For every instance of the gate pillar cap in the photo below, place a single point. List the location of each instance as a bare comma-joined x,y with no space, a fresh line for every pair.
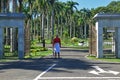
12,16
106,16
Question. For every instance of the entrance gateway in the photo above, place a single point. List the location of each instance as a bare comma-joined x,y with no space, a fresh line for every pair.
14,20
108,21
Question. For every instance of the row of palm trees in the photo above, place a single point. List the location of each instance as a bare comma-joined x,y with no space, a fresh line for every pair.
56,17
46,18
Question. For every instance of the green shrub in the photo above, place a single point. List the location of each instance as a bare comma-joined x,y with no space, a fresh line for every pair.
34,42
7,46
33,50
43,49
74,40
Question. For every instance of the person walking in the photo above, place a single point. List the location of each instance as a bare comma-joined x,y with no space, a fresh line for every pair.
57,46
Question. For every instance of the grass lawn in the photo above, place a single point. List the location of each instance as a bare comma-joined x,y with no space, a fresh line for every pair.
9,59
39,54
105,59
31,56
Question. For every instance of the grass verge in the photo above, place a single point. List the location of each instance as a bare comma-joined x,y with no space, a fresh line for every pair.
115,60
39,54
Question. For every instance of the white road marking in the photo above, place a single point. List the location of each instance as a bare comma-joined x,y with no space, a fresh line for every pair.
114,72
100,70
44,72
55,78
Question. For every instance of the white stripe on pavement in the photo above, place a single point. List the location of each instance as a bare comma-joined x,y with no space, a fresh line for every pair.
39,76
55,78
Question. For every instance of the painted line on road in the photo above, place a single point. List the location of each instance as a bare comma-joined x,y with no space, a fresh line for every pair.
39,76
55,78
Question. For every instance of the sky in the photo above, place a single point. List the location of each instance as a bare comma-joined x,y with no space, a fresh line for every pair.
90,3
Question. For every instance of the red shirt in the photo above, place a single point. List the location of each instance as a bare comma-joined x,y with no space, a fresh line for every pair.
56,40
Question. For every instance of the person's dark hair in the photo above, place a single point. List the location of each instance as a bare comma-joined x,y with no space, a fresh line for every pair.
56,35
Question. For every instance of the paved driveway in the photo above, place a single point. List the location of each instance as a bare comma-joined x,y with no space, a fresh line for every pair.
71,66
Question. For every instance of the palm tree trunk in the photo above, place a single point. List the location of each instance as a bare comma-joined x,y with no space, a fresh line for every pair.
43,26
52,24
74,28
85,30
27,37
70,29
52,2
48,26
57,26
40,31
3,6
43,40
81,32
34,30
20,5
37,30
61,31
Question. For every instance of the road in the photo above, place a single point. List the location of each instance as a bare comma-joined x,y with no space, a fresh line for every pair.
73,65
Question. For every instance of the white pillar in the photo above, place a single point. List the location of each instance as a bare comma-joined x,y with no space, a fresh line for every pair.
21,42
113,43
1,42
117,42
99,41
11,39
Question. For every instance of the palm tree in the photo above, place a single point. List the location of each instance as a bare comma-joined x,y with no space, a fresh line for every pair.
75,20
42,6
86,16
80,24
58,9
20,5
52,2
4,5
71,6
27,8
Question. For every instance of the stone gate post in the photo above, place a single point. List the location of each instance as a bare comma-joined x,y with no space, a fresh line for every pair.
1,42
99,41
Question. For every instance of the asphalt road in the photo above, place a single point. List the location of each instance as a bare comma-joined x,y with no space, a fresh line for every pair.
73,65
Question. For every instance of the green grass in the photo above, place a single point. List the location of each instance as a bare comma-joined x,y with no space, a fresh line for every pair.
31,56
115,60
39,54
9,59
76,46
68,43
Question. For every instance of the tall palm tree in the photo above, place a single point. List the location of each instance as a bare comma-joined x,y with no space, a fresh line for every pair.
75,20
27,8
52,2
86,16
4,5
20,5
58,9
80,24
71,6
42,6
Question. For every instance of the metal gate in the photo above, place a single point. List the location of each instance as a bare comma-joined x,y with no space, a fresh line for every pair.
109,42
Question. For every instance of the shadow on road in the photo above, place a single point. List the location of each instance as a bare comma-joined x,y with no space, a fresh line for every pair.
68,61
44,63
